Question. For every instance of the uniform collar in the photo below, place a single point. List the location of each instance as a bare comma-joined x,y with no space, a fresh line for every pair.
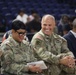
50,36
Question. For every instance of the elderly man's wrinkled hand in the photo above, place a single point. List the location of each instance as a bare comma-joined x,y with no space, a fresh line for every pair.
71,62
68,61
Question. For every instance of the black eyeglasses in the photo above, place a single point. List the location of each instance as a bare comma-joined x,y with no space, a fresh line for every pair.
21,33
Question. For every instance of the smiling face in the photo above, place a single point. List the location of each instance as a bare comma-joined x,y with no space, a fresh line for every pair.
18,35
48,24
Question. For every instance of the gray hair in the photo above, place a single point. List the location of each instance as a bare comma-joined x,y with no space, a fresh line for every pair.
48,16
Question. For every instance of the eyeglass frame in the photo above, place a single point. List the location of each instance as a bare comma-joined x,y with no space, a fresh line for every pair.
21,33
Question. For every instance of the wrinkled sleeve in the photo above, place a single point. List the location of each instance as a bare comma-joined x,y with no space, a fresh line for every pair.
68,69
43,53
9,64
66,52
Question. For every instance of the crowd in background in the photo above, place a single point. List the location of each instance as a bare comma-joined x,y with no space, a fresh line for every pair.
65,27
33,24
45,45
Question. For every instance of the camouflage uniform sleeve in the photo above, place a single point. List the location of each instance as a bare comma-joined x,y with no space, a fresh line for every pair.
9,64
65,50
69,70
32,54
43,53
30,50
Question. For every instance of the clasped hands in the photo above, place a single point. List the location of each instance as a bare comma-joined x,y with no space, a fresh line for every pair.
68,61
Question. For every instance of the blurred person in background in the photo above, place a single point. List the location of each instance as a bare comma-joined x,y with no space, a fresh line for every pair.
31,16
63,25
22,16
34,25
71,19
71,38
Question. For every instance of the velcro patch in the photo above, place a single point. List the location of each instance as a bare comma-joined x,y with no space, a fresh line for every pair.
39,37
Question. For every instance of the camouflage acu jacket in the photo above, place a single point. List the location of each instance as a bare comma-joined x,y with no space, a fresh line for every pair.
16,56
51,49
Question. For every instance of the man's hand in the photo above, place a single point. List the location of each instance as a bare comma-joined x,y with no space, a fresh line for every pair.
34,68
68,61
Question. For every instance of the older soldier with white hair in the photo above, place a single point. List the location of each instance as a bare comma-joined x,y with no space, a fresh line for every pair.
53,49
71,38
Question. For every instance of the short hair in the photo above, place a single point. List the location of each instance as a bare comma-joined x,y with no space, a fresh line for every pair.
33,11
48,16
65,15
21,11
16,25
74,23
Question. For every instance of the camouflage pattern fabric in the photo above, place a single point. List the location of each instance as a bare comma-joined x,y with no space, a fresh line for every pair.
16,56
51,49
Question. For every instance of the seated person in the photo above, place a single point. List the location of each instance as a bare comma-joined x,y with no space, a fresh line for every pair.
17,53
71,38
52,49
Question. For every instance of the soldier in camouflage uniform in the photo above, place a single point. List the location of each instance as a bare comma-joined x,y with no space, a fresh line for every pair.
52,48
17,53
